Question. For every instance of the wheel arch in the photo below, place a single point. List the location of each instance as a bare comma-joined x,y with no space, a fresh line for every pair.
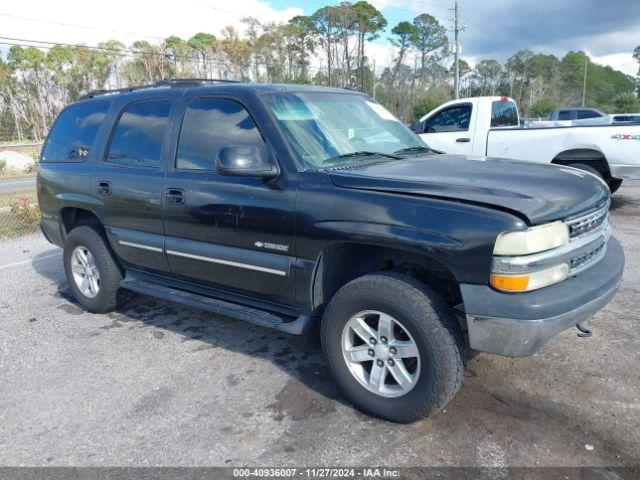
589,156
339,263
71,217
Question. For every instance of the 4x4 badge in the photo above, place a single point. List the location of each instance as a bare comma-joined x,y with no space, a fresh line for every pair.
622,136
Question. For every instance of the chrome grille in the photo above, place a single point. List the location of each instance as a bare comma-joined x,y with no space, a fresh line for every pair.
584,261
585,223
580,253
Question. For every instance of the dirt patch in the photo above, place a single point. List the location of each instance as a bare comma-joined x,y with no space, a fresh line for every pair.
299,402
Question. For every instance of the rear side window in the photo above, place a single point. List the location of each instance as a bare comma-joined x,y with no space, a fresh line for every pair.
588,114
564,115
74,131
139,134
504,114
209,125
452,119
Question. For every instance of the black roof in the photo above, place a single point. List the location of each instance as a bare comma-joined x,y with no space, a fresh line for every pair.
209,84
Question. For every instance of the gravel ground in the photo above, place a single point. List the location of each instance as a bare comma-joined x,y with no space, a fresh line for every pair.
158,384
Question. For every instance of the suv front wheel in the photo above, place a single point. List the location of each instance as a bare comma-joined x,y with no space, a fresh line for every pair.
394,348
92,272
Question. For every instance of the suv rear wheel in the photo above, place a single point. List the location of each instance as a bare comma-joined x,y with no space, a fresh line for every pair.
394,348
92,272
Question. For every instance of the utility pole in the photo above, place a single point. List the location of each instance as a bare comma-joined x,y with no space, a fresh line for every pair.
584,82
456,30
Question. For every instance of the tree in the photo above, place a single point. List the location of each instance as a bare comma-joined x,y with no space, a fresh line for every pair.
543,107
429,37
516,72
180,54
626,103
301,30
370,22
153,60
427,102
114,52
325,24
404,34
487,73
204,46
236,52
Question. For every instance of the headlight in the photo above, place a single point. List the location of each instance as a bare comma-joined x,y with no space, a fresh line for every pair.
533,240
525,282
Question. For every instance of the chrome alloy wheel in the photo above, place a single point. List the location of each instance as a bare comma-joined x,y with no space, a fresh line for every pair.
380,353
85,271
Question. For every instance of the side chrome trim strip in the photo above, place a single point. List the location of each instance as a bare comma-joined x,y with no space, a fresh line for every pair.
228,262
140,246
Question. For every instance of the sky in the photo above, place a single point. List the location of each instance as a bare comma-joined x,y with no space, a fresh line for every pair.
608,30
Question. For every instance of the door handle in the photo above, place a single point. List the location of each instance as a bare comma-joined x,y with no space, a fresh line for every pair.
175,196
463,140
104,188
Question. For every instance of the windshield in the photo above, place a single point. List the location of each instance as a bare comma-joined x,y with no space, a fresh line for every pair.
327,129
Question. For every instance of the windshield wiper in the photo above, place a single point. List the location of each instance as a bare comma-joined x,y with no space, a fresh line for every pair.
361,153
417,148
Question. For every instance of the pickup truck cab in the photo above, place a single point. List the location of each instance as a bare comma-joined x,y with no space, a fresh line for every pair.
489,127
294,206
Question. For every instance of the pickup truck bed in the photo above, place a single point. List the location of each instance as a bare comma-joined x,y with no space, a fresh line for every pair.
483,127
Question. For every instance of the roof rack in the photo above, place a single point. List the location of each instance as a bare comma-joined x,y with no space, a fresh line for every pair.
171,82
192,82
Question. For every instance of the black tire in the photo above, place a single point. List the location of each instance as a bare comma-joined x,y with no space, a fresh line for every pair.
614,184
586,168
109,294
431,324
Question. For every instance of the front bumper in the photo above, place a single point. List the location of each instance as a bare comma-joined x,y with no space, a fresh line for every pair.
517,325
627,172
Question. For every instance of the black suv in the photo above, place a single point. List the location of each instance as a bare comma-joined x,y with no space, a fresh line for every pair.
292,206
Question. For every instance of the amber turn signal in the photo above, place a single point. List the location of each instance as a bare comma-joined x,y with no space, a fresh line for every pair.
510,283
525,282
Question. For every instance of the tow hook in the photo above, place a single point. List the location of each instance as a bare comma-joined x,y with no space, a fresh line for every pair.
584,332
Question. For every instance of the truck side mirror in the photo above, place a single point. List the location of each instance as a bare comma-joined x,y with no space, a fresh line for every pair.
417,126
246,161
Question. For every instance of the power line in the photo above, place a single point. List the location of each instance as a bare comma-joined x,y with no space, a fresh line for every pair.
85,27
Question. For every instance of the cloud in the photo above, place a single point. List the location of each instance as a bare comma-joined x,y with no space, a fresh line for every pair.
608,30
127,21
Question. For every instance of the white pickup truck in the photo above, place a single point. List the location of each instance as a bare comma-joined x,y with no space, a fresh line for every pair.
490,127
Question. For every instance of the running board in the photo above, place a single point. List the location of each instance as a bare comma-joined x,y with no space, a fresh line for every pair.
252,315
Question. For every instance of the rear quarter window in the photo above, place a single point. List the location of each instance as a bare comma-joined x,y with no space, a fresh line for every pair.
564,115
74,132
139,134
583,114
504,114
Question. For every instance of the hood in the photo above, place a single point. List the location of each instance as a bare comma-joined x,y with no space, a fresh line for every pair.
540,193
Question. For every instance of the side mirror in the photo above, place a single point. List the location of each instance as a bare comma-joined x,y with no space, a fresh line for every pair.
245,161
417,126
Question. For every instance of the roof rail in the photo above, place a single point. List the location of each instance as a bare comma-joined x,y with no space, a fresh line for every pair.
171,82
192,82
95,93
